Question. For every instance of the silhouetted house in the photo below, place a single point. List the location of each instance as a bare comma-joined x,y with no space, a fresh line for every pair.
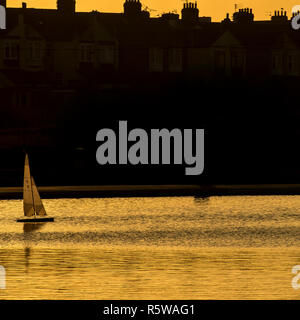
56,41
22,48
256,55
229,56
97,50
285,57
47,55
75,48
200,51
256,50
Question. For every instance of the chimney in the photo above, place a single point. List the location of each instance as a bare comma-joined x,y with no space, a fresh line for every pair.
132,8
24,5
243,16
279,17
66,6
227,19
190,12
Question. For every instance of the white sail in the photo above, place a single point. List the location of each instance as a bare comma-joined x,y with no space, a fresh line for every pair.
28,203
38,204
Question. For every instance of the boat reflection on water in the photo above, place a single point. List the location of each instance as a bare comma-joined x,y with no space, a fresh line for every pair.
201,200
31,227
27,257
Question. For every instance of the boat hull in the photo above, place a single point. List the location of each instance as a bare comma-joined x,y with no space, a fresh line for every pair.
36,220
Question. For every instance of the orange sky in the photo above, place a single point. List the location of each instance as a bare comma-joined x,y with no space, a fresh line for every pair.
215,8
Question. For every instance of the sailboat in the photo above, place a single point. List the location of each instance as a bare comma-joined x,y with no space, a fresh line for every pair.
34,209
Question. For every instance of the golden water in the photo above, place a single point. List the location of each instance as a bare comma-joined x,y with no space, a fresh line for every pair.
153,248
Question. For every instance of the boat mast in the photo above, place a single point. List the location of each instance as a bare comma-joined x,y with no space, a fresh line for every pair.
32,196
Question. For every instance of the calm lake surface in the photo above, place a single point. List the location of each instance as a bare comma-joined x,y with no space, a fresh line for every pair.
153,248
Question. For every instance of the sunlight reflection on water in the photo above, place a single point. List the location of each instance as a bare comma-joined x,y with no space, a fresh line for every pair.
153,248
